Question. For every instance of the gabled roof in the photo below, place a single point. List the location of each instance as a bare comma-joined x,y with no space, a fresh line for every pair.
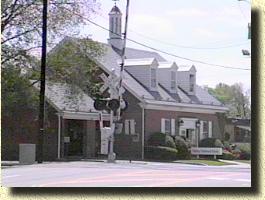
140,62
111,59
60,96
167,65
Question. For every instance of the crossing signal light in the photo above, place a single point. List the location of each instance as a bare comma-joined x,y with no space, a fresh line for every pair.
100,104
113,104
103,104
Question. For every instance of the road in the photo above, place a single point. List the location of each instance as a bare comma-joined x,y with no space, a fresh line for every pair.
125,174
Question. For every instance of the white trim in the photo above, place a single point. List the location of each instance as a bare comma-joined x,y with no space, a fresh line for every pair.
163,128
210,133
201,130
143,133
84,116
132,126
244,127
127,127
185,108
59,137
173,129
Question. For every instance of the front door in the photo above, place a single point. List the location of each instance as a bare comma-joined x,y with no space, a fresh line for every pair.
75,132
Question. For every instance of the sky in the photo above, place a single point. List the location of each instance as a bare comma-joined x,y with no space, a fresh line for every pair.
212,31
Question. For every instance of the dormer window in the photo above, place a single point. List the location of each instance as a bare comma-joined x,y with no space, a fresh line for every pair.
173,80
191,82
153,78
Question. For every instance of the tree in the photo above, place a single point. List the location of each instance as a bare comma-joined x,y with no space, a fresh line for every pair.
72,62
21,22
234,97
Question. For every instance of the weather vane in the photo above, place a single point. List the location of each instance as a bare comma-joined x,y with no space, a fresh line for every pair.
115,1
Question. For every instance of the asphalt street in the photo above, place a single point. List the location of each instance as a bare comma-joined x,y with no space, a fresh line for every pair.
125,174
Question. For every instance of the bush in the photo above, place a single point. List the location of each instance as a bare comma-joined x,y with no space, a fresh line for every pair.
160,153
227,156
211,142
161,139
182,147
157,139
245,150
170,142
227,146
227,136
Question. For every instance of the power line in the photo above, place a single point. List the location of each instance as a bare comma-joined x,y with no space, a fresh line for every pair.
184,46
155,49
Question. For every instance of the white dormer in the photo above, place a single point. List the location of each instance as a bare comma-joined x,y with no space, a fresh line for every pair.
167,75
144,70
186,79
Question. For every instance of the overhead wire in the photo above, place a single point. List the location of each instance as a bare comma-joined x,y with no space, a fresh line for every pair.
155,49
184,46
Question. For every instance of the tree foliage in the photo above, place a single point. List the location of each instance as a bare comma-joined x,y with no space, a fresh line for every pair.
72,62
21,23
234,97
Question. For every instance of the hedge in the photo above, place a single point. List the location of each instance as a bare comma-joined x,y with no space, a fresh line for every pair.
160,153
211,142
182,147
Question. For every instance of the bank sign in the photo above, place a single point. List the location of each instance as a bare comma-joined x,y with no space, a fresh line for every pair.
206,151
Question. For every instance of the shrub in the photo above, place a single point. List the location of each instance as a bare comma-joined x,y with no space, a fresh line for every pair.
160,153
245,150
227,156
182,147
211,142
157,139
161,139
227,146
227,136
170,142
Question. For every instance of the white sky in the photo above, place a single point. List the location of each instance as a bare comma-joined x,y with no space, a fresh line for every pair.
196,23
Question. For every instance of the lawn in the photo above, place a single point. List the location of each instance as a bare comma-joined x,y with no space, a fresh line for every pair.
205,162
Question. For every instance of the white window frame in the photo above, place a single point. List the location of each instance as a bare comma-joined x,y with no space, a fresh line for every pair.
153,78
129,127
173,80
171,130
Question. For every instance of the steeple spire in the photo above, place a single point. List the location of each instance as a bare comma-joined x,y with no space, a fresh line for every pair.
115,17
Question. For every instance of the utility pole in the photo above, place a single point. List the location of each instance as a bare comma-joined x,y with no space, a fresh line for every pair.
42,83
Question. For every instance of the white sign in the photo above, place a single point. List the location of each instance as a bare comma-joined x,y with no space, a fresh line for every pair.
206,151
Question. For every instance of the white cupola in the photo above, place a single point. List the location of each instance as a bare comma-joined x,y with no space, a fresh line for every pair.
115,38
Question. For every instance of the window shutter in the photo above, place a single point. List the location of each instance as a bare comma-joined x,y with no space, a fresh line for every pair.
126,126
173,130
210,129
132,126
201,130
163,130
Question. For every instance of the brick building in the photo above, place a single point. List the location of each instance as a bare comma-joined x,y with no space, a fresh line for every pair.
162,97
